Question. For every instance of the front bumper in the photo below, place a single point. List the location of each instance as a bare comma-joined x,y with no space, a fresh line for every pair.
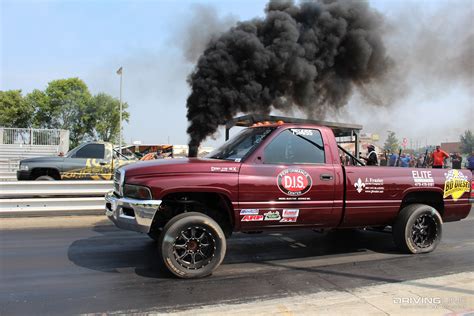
23,175
131,214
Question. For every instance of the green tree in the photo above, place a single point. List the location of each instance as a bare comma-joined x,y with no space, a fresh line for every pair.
14,110
467,142
391,143
106,117
65,105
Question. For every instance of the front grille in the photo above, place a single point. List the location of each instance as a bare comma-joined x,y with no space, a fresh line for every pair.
117,181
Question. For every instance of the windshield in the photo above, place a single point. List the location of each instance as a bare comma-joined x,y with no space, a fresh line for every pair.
242,145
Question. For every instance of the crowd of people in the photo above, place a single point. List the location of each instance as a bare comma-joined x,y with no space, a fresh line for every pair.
438,158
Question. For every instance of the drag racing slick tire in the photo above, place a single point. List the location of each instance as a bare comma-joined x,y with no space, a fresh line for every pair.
45,178
417,229
192,245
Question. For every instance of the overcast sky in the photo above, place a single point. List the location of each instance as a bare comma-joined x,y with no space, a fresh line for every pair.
46,40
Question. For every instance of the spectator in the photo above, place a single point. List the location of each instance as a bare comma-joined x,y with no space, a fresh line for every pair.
392,160
456,160
438,157
383,159
470,162
371,159
404,161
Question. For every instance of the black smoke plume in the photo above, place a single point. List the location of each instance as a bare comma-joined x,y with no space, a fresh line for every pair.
310,56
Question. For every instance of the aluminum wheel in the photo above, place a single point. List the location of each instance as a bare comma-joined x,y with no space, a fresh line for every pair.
194,247
424,231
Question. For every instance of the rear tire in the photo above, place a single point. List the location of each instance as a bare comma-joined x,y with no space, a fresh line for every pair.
45,178
417,229
192,245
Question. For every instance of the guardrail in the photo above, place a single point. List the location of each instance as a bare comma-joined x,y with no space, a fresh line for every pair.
54,188
34,198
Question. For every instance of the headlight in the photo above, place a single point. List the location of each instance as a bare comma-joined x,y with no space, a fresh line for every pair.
136,192
24,167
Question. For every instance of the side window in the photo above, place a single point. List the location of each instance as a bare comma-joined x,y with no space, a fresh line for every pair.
294,146
95,151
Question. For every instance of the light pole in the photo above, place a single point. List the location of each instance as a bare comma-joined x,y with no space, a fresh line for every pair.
119,72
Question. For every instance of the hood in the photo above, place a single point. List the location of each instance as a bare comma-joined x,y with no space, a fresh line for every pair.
182,165
42,159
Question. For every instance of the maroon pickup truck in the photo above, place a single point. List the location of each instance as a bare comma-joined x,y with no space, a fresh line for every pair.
276,177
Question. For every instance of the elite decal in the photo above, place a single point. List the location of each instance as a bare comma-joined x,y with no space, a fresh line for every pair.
294,182
456,184
422,178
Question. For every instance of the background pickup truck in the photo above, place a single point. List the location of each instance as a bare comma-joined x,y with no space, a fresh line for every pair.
89,161
275,177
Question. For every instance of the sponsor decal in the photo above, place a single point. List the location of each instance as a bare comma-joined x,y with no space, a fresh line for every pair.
288,198
291,212
359,185
249,212
288,220
272,216
294,182
422,178
223,169
302,132
456,184
252,218
370,185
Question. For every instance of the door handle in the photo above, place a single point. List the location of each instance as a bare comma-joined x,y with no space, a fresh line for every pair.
326,177
102,163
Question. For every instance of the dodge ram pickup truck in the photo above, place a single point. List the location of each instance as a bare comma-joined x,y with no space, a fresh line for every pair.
89,161
276,177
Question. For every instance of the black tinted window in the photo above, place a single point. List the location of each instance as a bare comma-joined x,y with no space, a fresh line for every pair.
95,151
294,146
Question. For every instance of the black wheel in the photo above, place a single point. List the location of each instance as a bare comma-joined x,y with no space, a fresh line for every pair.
192,245
417,229
45,178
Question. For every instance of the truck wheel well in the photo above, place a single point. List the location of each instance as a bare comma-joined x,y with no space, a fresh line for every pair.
215,205
36,172
433,199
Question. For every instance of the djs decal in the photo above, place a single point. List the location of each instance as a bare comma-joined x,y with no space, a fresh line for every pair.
252,218
249,212
456,184
272,216
294,182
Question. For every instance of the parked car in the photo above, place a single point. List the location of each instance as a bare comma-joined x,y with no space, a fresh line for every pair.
89,161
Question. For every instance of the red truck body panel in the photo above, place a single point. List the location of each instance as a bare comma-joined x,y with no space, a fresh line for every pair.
313,195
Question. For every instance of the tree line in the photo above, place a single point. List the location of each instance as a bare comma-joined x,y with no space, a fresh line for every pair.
64,104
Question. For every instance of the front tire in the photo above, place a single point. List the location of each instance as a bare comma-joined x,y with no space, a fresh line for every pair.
45,178
417,229
192,245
